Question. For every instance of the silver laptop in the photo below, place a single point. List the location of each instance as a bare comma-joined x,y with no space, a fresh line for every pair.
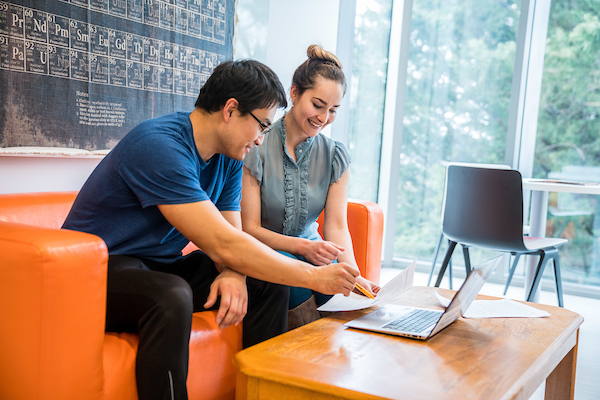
421,323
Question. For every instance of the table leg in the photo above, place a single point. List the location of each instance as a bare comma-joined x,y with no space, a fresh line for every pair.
560,384
537,228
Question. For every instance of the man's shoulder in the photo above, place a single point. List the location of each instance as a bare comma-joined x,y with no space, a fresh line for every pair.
174,122
160,131
222,161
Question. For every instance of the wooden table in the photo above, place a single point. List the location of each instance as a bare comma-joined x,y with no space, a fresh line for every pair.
497,358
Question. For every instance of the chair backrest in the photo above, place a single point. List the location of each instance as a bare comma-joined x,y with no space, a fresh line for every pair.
483,207
478,165
46,209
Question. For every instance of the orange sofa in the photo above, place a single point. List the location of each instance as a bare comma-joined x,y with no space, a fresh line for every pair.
52,303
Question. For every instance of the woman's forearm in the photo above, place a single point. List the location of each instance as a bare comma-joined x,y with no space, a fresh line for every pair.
341,236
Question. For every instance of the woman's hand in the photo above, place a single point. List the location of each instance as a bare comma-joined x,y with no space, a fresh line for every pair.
319,252
372,287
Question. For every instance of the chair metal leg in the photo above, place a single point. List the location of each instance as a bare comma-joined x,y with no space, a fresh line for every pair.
435,256
434,262
544,257
450,277
539,270
451,246
467,258
511,272
557,277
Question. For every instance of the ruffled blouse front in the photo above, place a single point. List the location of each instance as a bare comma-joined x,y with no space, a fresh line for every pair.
293,193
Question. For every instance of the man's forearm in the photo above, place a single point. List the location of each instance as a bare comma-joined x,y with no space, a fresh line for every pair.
204,225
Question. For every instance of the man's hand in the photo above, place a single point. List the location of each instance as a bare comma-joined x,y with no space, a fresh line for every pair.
231,286
335,278
319,252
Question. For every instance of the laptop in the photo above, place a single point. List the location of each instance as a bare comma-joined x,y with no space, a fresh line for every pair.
421,323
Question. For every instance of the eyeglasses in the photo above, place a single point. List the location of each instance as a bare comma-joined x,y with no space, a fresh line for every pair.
265,128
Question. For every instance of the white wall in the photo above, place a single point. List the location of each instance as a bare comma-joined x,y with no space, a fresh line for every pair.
295,25
292,27
22,174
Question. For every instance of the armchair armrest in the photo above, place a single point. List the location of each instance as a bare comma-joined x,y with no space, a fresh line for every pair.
53,304
365,222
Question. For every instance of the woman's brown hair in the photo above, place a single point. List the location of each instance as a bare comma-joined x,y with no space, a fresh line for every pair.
321,63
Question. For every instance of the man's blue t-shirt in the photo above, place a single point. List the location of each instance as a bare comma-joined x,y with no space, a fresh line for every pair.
155,163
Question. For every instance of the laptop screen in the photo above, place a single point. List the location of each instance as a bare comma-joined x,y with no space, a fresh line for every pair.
467,293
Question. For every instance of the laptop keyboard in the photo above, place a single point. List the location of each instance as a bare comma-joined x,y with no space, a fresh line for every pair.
414,321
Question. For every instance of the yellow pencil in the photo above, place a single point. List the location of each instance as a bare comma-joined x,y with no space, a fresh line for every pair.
365,291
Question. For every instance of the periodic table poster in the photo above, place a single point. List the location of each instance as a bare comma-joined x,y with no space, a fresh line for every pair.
82,73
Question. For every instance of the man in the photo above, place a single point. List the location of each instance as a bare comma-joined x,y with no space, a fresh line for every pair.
175,179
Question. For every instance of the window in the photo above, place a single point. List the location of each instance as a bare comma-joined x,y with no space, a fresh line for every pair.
567,141
367,95
458,91
251,29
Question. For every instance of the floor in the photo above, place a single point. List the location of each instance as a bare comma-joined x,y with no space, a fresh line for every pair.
587,382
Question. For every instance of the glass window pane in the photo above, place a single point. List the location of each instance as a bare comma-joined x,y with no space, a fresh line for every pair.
367,95
459,80
251,29
567,140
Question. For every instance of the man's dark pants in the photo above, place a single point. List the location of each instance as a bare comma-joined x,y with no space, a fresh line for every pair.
157,300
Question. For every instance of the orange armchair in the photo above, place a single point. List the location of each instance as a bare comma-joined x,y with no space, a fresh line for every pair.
53,298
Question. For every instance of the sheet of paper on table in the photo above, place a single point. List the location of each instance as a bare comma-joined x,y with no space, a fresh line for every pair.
387,294
566,182
503,308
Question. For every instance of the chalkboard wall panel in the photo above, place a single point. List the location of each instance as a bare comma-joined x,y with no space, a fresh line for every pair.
81,73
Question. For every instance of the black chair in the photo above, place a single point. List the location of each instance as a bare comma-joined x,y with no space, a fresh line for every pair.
464,247
483,207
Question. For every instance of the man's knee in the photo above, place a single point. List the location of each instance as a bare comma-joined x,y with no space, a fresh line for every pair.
174,301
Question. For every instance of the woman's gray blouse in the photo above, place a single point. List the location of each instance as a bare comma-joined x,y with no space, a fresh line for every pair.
293,194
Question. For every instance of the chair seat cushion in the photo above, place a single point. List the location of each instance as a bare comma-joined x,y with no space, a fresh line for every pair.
211,373
534,243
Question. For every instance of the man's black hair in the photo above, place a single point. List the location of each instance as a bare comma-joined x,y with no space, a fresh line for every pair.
251,83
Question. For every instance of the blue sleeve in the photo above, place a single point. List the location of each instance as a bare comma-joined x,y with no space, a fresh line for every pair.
231,195
159,170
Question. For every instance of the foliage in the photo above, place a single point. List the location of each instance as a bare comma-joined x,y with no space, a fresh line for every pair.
568,124
568,131
458,95
459,81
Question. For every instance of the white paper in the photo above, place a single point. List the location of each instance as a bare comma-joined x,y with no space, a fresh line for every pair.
503,308
339,302
387,294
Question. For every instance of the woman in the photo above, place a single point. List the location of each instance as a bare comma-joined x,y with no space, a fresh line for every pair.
296,174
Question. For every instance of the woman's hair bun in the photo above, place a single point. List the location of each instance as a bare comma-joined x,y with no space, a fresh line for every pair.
320,63
316,52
